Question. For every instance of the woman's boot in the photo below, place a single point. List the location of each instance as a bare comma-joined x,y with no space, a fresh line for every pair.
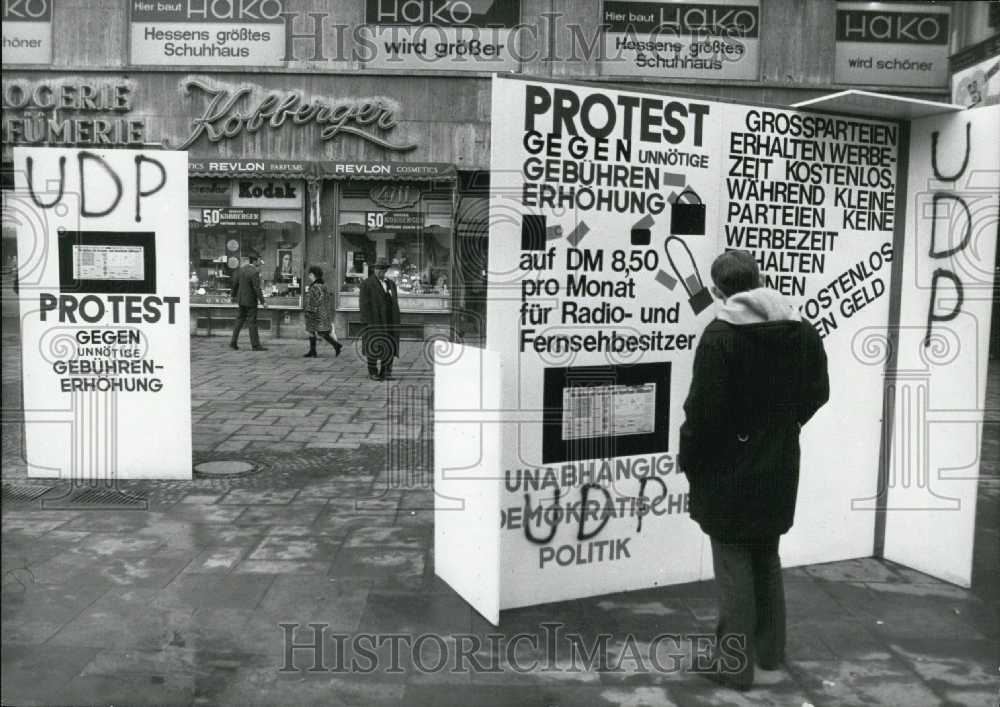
312,348
337,346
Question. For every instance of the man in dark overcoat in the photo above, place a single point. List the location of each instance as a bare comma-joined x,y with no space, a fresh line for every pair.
380,316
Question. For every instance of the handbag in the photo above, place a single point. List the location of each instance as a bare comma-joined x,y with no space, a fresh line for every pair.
687,218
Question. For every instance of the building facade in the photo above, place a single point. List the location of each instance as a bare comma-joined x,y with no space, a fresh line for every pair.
336,132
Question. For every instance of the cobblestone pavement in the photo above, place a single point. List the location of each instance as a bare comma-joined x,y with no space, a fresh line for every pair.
180,602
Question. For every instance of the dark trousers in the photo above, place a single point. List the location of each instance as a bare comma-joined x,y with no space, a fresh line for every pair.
751,605
325,335
248,316
380,349
384,360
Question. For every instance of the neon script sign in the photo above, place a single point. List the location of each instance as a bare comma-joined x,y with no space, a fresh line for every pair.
225,116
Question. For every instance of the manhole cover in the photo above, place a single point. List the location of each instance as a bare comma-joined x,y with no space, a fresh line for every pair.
226,468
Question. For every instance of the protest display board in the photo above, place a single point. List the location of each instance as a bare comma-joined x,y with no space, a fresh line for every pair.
195,33
607,211
450,35
938,391
892,44
27,32
663,39
105,328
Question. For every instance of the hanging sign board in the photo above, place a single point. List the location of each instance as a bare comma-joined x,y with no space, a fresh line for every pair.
189,33
711,39
453,35
27,32
892,44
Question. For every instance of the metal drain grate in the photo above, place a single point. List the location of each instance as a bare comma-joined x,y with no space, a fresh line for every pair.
97,497
17,493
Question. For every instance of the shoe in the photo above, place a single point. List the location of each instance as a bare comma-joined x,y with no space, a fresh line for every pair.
372,376
234,347
259,348
337,346
309,354
727,681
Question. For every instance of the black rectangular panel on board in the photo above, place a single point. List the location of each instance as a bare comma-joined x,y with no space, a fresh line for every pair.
107,262
532,232
600,412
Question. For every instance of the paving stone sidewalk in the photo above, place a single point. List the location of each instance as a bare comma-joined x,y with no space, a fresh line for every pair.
181,603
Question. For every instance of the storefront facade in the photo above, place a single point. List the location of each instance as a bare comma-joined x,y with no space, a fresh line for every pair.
356,181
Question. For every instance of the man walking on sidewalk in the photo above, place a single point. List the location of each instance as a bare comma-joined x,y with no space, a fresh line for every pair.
759,375
379,304
246,293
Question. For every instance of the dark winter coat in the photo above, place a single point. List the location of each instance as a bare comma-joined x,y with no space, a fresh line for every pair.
246,290
380,315
759,375
315,308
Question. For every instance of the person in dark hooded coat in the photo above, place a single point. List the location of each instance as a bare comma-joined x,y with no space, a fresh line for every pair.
760,373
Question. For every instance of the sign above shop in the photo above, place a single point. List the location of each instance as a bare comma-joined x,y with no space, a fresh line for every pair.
892,44
386,170
229,217
400,221
269,194
246,109
27,31
48,112
440,34
213,167
710,39
395,196
203,33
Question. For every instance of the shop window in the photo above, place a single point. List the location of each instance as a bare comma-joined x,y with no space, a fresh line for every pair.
410,226
222,237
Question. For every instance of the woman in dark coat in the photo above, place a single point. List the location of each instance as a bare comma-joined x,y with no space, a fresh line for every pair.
317,315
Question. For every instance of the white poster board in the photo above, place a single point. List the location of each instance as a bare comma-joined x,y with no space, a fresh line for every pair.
102,269
939,389
607,211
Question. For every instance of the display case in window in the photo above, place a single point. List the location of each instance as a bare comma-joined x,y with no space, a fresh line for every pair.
221,241
415,240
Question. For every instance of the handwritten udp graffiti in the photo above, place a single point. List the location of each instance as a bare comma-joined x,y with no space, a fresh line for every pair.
589,510
934,388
